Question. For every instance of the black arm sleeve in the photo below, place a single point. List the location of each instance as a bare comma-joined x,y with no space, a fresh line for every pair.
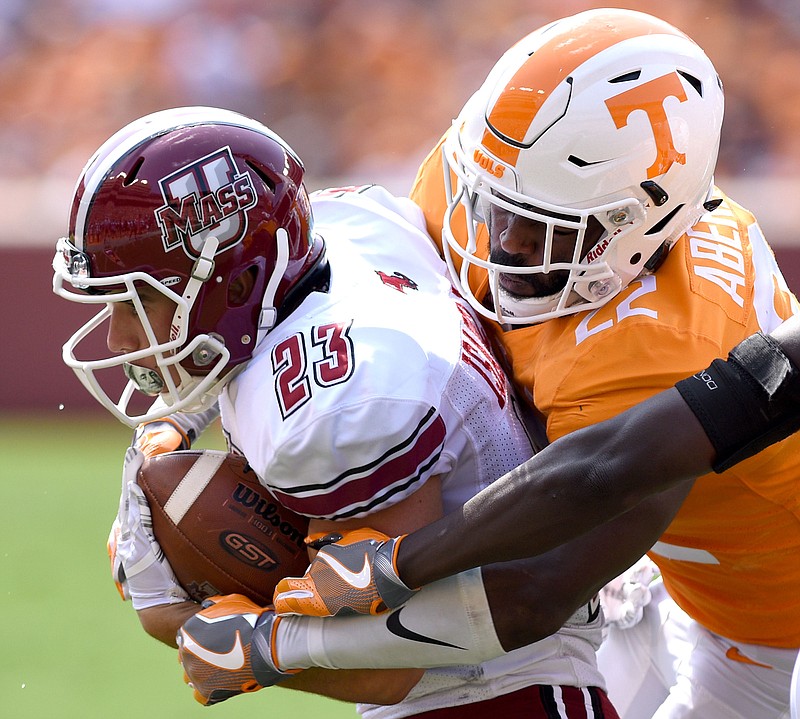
747,402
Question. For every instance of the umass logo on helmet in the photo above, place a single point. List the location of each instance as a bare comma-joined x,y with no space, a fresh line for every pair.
207,197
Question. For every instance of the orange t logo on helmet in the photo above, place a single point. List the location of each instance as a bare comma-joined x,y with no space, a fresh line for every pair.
510,117
650,97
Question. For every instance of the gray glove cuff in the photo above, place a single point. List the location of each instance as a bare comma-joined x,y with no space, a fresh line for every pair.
264,669
391,588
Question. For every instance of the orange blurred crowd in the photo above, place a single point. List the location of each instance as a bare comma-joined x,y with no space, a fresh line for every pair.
358,87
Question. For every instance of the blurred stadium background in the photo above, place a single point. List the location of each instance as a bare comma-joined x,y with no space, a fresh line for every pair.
361,89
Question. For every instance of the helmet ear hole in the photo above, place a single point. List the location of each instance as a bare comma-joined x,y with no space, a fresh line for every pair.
241,286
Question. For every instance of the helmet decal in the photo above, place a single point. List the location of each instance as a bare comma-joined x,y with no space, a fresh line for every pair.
208,196
510,118
650,97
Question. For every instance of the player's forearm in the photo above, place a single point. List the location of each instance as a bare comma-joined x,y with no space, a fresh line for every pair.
593,475
163,621
372,686
567,577
575,484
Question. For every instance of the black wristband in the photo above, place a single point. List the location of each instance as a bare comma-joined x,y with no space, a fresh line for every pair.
747,402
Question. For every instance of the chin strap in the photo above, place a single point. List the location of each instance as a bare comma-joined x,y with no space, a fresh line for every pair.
201,273
149,382
269,313
316,278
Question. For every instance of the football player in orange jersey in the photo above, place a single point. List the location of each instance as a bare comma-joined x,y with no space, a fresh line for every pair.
573,199
579,216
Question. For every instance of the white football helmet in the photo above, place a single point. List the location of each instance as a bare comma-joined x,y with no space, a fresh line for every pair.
609,114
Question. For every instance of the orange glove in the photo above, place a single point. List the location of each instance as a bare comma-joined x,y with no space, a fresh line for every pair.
227,649
160,436
355,575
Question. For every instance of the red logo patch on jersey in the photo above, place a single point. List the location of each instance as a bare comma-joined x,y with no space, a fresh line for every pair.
398,281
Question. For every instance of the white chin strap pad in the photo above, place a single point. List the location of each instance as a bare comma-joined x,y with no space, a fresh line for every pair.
269,313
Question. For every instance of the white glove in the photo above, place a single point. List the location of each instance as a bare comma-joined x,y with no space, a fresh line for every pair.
138,565
625,597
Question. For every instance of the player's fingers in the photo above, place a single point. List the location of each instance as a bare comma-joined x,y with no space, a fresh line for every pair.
231,604
117,570
198,697
291,603
123,593
288,584
361,535
317,540
299,596
159,437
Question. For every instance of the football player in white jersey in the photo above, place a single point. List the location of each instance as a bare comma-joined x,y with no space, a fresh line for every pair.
231,317
348,373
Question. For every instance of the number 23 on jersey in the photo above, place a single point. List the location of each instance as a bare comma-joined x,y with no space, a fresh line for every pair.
304,364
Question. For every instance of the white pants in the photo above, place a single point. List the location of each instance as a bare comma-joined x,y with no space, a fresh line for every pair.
669,667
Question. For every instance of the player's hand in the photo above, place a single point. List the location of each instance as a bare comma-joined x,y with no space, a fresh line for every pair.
159,436
139,567
117,571
355,575
228,648
625,597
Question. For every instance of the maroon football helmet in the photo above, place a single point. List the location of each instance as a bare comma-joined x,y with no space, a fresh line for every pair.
185,201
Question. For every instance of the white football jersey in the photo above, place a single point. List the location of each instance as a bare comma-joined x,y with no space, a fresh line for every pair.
365,392
370,389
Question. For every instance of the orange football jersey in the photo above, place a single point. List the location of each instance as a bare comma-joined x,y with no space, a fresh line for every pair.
731,557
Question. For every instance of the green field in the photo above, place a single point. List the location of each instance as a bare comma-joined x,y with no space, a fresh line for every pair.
69,647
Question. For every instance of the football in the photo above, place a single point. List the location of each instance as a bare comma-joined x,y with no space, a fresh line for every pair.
220,530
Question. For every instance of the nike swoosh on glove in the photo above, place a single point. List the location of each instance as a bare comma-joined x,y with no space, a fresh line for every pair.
351,574
227,649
